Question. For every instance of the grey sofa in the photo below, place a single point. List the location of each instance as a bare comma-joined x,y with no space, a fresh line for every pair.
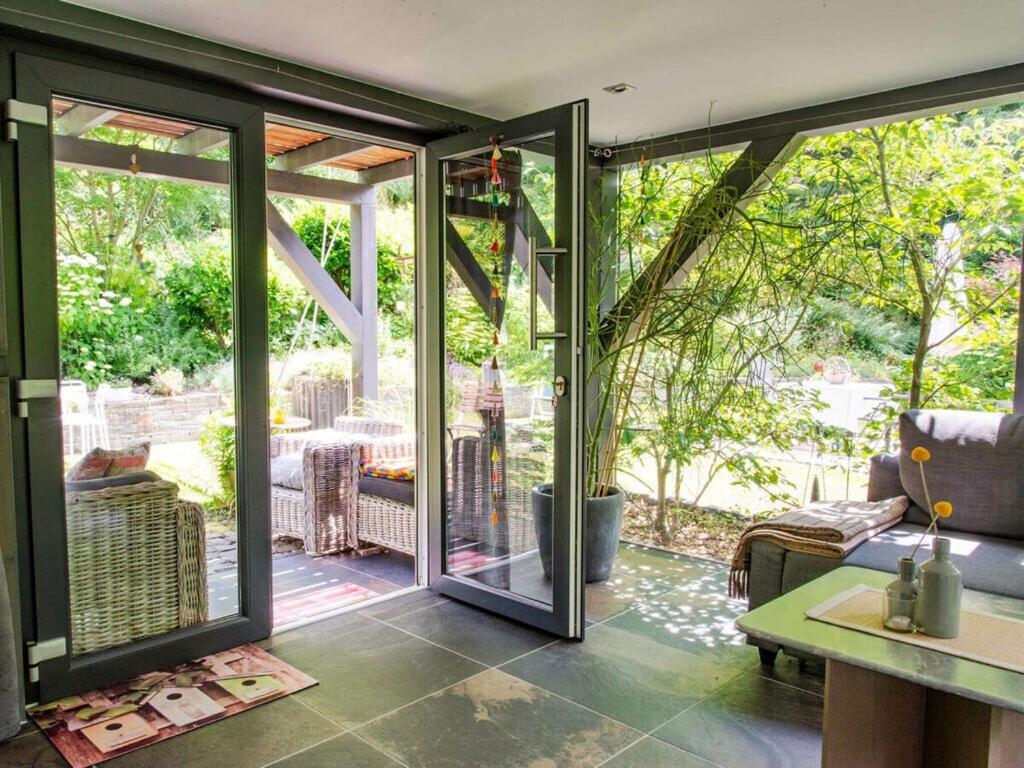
977,462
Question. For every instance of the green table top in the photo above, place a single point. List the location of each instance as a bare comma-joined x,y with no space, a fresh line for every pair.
783,621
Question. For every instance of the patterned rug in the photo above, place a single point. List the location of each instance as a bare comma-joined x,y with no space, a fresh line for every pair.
96,726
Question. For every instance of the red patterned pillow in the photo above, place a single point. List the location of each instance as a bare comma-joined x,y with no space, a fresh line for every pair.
131,458
91,466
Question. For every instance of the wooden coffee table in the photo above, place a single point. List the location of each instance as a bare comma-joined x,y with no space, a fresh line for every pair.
888,703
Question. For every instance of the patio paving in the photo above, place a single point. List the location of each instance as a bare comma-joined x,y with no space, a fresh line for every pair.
305,586
662,679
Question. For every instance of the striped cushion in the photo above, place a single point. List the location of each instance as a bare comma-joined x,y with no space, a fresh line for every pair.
396,469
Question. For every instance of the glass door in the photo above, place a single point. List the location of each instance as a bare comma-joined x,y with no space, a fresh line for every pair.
508,203
143,253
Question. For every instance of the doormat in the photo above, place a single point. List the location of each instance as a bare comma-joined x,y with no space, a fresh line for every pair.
96,726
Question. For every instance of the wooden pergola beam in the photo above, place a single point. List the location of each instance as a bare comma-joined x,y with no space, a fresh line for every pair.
318,153
116,158
200,141
396,169
696,228
471,273
305,266
82,118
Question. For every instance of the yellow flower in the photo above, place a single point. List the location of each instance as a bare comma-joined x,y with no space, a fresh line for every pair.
920,454
943,508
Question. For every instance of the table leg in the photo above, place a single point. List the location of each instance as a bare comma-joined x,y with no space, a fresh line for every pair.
873,719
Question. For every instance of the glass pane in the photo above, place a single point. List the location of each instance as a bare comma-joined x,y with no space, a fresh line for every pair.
145,301
499,399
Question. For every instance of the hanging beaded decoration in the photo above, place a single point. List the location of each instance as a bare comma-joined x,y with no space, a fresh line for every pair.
495,398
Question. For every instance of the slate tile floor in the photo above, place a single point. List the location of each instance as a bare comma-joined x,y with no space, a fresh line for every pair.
663,679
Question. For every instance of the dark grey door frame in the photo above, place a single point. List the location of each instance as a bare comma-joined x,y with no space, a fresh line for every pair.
568,124
36,80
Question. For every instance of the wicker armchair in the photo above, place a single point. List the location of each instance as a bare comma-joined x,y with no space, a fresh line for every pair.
469,493
136,563
320,511
381,521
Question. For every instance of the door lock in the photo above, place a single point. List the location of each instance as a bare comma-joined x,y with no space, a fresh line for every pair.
560,386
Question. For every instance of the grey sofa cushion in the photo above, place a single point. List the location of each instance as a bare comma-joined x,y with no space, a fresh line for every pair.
286,471
99,483
975,465
988,563
401,491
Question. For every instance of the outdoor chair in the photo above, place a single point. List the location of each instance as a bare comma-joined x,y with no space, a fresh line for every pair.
314,479
136,560
82,420
386,508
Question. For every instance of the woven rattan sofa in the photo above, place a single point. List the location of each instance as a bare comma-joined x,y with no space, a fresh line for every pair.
314,477
136,560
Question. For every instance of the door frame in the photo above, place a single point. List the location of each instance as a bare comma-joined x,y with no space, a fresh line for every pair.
37,78
569,125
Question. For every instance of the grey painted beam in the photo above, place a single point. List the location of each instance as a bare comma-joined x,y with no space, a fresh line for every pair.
470,272
317,153
363,281
115,158
82,119
694,232
200,141
960,92
397,169
294,253
467,208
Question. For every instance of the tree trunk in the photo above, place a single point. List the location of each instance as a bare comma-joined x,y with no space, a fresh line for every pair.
662,527
924,331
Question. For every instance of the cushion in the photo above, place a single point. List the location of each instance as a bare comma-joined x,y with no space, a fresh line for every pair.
975,465
988,563
132,458
286,471
91,466
402,491
391,469
116,481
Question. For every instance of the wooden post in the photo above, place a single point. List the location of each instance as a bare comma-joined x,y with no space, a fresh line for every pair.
363,260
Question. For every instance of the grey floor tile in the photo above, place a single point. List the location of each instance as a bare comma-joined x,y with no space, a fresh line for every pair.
316,632
698,617
809,675
30,750
246,740
489,639
391,566
498,721
619,593
345,751
399,606
372,671
622,675
653,753
670,566
752,723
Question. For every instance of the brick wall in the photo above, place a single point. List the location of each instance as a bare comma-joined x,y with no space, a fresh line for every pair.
164,419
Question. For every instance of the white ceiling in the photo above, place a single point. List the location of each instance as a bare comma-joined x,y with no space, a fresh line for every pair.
744,57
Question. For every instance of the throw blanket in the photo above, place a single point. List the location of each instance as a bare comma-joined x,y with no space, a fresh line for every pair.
825,528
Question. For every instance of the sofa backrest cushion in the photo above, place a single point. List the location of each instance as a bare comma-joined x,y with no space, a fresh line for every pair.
975,464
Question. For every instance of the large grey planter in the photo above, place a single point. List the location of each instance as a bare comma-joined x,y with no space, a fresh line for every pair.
604,523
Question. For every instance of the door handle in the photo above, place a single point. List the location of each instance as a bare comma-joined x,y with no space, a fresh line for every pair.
532,269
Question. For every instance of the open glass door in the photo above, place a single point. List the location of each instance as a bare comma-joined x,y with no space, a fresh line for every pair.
128,186
505,476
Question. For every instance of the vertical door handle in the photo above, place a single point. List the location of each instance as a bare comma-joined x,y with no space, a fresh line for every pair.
532,270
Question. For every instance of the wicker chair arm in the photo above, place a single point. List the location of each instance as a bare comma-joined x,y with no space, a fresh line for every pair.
194,606
359,425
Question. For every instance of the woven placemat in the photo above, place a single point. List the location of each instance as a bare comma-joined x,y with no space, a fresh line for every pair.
984,637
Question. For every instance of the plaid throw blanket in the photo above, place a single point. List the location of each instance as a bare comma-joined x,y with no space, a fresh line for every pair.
826,528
